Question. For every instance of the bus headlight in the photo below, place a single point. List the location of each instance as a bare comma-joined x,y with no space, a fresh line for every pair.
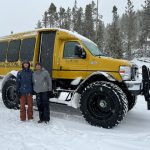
125,72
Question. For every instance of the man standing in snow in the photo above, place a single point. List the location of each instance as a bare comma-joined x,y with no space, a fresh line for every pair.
25,91
42,84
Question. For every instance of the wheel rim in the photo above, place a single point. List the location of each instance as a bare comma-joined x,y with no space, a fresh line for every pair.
11,95
101,105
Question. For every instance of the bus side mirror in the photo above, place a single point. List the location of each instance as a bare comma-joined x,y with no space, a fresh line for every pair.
80,52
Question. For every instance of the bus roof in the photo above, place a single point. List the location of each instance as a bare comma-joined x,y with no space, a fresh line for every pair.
35,32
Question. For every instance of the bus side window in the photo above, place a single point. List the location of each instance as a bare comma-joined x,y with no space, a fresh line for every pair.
13,51
27,49
3,51
69,49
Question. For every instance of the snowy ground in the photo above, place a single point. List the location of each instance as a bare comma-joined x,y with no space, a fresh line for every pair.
71,132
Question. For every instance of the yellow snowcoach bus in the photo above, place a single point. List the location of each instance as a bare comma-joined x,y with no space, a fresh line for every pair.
104,89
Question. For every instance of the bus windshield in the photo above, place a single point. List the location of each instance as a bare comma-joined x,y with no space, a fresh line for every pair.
93,48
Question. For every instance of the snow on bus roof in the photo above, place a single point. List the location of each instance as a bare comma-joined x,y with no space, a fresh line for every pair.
72,33
77,35
33,33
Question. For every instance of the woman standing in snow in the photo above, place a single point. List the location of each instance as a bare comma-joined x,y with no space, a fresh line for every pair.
42,84
25,91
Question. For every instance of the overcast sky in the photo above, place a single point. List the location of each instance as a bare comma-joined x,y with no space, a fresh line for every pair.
22,15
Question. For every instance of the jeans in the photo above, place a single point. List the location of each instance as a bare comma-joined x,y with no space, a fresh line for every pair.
43,106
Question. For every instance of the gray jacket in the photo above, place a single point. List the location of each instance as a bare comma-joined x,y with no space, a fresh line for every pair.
42,82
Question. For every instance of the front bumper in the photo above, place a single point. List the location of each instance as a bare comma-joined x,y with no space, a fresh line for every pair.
135,87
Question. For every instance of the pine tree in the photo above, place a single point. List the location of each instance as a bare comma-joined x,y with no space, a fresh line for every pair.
100,35
75,16
68,19
114,42
94,10
52,15
130,24
45,19
39,24
138,22
80,21
62,15
96,21
89,22
138,28
145,23
123,27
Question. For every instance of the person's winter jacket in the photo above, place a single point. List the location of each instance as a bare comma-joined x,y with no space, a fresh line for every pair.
42,81
24,81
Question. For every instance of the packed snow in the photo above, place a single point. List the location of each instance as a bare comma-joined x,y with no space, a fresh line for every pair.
76,81
67,130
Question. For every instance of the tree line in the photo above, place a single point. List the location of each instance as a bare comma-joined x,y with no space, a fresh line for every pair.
124,37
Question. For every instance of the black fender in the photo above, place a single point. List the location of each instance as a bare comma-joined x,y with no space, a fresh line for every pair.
96,76
12,74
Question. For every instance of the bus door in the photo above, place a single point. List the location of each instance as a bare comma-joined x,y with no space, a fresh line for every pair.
47,49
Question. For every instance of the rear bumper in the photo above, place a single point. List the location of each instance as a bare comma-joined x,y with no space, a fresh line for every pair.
135,87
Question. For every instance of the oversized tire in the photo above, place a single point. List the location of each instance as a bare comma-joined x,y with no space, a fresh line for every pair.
131,102
9,94
103,104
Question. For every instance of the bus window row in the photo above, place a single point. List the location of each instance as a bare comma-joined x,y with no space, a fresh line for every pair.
15,50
